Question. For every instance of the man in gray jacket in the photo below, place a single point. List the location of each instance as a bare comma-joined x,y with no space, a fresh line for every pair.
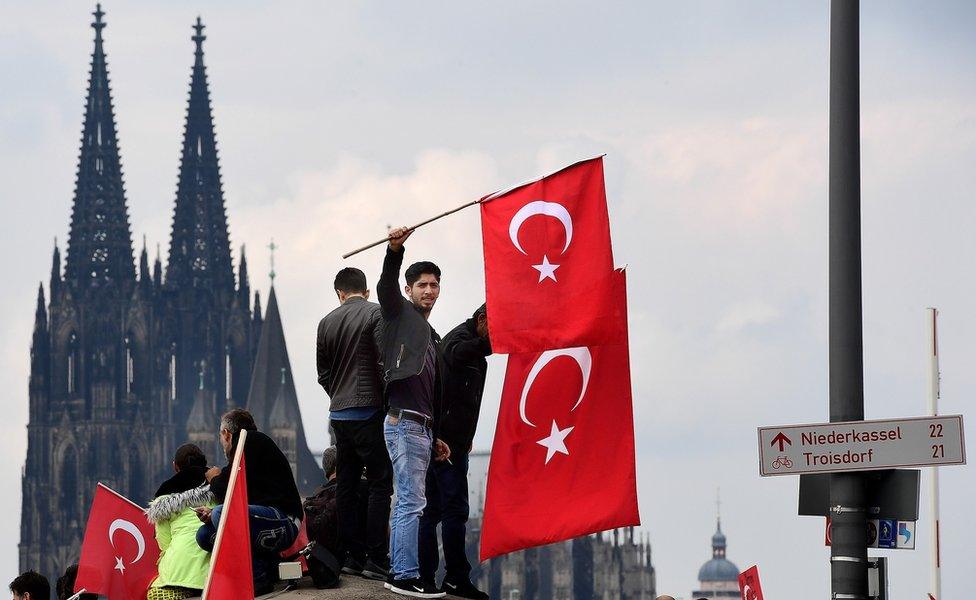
349,371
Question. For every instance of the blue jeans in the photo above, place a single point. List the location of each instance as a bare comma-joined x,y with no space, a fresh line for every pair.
271,532
409,445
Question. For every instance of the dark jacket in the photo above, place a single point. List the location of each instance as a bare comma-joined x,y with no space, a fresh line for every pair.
406,332
465,368
269,478
347,355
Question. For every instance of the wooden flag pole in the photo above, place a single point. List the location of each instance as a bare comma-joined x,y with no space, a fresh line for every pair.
487,198
417,226
235,467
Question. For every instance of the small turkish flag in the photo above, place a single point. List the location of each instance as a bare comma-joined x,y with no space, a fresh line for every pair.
231,577
562,463
749,585
119,551
548,261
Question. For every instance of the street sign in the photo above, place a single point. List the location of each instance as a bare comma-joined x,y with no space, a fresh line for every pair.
861,445
906,535
886,533
881,533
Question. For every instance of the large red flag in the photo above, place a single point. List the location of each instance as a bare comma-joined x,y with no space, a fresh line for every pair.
230,575
562,463
119,552
548,263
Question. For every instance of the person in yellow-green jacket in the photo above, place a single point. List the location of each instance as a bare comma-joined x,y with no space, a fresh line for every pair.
183,565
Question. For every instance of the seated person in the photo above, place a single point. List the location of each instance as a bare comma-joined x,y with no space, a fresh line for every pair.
320,508
64,588
274,505
183,565
30,586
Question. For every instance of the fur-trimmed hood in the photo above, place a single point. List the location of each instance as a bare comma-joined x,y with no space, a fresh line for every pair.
166,507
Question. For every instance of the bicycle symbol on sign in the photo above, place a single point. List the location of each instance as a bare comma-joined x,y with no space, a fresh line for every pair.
782,461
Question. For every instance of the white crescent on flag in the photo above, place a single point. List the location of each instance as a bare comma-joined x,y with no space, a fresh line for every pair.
540,207
580,355
131,529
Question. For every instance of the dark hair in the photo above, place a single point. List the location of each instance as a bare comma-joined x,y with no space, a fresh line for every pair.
236,420
424,267
189,455
329,459
481,310
32,583
350,280
65,586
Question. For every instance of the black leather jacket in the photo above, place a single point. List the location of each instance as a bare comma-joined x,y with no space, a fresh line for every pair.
346,355
465,367
405,330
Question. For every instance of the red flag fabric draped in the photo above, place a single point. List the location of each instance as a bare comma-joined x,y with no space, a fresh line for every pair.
119,551
230,575
749,586
548,261
562,463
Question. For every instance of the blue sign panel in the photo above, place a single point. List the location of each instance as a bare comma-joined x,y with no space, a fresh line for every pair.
887,533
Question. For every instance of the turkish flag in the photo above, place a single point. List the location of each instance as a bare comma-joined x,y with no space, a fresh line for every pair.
562,463
231,577
548,262
749,585
119,552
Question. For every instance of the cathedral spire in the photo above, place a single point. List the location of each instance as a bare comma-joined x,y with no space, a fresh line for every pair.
55,270
243,283
99,242
144,276
157,270
199,252
40,314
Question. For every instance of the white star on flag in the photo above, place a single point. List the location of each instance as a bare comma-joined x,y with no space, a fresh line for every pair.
556,442
119,566
546,270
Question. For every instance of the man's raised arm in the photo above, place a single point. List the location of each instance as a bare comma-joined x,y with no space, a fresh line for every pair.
391,301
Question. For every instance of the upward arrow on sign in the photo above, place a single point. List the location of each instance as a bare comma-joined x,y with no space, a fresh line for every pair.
782,440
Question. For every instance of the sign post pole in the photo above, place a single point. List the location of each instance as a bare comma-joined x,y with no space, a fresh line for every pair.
933,355
848,553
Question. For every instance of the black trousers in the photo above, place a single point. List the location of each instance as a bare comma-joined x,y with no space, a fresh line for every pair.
361,449
447,504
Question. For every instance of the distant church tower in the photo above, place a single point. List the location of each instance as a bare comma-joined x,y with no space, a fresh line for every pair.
126,367
98,407
718,578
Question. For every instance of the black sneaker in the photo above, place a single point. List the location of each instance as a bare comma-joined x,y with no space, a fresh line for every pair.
352,566
416,588
374,571
463,589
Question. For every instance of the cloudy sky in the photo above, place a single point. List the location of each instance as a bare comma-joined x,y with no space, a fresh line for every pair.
335,120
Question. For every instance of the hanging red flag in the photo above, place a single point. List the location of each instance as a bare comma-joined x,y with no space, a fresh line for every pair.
548,261
119,551
562,463
749,585
230,575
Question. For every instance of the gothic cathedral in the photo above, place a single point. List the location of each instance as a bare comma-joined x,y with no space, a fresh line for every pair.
126,363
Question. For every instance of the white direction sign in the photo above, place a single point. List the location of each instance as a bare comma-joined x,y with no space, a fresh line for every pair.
861,445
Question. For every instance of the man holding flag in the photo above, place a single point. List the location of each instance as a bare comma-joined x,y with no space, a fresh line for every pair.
411,376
